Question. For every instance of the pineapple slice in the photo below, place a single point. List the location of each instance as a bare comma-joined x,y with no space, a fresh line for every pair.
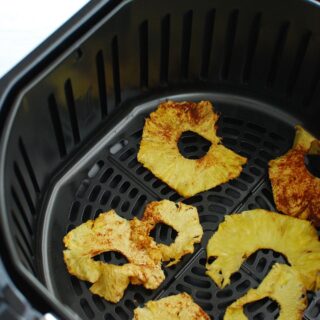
110,232
177,307
295,190
160,154
240,235
284,285
113,280
181,217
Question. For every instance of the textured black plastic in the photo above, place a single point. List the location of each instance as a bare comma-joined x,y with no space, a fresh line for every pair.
13,305
78,111
313,312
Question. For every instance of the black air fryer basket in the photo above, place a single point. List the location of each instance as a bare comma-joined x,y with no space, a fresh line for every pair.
72,115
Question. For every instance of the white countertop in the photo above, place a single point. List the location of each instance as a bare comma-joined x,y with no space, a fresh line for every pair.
24,24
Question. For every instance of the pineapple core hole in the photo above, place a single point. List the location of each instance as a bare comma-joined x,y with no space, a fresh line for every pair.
163,233
266,303
112,257
193,146
263,259
312,163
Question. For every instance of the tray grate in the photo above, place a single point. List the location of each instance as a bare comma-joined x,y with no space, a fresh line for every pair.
118,181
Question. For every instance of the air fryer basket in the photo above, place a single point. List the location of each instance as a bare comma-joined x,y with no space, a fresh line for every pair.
72,126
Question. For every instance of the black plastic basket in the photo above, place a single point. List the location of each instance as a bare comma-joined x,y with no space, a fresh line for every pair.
71,121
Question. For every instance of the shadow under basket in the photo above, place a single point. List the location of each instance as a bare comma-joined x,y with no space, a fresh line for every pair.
72,123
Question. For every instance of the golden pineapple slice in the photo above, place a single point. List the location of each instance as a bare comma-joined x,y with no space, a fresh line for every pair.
113,281
181,217
110,232
160,154
295,190
240,235
282,284
177,307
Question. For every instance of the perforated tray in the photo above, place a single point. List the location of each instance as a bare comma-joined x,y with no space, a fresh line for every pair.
108,175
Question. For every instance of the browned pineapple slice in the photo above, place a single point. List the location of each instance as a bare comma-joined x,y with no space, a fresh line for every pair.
182,218
295,190
240,235
177,307
160,154
284,285
110,232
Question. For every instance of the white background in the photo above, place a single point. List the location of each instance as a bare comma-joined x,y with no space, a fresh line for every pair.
24,24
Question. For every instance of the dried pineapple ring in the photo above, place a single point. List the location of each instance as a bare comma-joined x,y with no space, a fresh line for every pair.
181,217
240,235
160,154
110,232
295,190
177,307
282,284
